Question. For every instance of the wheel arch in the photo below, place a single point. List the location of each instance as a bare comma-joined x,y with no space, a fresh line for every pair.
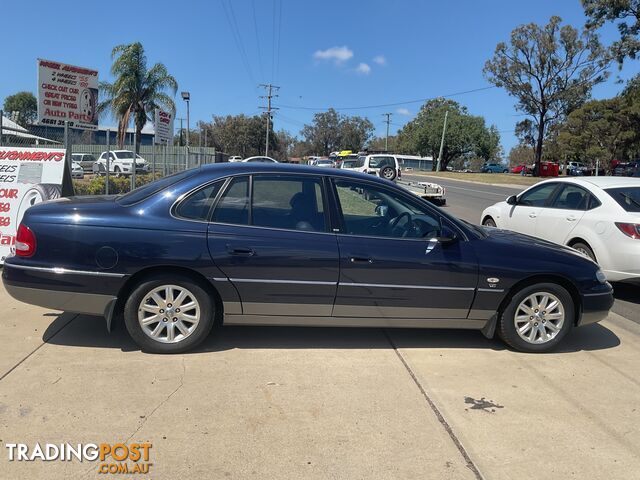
544,278
488,215
139,276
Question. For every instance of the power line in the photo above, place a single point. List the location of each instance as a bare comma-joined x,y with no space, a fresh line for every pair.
255,29
382,105
279,36
235,32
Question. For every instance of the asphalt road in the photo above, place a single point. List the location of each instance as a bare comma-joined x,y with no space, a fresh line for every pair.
467,200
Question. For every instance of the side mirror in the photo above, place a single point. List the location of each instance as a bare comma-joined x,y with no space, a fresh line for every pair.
512,200
382,210
446,237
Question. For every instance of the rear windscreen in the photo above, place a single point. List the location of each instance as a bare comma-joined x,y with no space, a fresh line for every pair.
627,197
149,189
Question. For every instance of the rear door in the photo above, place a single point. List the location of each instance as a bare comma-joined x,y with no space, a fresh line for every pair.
389,266
270,236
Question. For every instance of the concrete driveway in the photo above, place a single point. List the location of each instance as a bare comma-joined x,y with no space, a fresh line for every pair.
323,403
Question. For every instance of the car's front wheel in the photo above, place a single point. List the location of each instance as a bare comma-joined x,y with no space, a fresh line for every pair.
169,314
537,318
388,173
489,222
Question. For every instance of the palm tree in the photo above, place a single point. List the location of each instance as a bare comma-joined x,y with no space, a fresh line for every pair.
136,91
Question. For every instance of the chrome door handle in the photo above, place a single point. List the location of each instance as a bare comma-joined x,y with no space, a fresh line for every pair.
572,219
533,215
360,260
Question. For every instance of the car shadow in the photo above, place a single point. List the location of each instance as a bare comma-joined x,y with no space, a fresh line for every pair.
89,331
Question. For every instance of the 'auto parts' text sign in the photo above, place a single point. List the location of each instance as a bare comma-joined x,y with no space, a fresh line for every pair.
67,93
27,176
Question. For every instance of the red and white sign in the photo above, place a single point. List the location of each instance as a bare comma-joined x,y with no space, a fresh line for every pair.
67,93
27,176
163,126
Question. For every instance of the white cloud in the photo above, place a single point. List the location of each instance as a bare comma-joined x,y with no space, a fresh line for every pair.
363,68
380,60
403,111
335,54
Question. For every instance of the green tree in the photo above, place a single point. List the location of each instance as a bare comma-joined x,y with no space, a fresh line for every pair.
26,106
550,70
521,155
466,135
626,15
137,90
241,135
330,131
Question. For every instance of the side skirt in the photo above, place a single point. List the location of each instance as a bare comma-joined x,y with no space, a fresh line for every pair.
354,322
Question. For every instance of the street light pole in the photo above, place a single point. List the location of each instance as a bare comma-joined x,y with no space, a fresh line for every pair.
186,96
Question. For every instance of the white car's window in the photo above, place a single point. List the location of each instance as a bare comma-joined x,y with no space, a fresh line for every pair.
627,197
571,197
537,196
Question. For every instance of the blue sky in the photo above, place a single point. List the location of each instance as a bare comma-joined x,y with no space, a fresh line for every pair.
321,53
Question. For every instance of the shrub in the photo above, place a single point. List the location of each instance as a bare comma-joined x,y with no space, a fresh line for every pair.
117,185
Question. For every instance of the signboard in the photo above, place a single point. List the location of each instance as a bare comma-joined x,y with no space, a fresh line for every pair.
163,125
67,93
27,176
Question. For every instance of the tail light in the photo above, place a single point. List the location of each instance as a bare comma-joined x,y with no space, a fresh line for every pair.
629,229
25,242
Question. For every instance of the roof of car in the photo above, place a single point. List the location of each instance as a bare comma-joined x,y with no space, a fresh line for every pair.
248,168
608,181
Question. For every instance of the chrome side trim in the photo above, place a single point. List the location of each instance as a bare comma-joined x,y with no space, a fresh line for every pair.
292,282
596,294
423,287
353,322
65,271
218,279
496,290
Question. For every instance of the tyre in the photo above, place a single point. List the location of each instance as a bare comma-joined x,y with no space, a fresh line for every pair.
584,249
37,194
489,222
537,318
388,173
505,171
169,314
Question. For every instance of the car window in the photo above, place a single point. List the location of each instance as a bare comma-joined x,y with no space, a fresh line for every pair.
233,206
374,211
627,197
379,162
571,197
291,202
197,205
537,196
145,191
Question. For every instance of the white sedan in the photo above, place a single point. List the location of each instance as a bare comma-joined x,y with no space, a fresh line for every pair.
598,216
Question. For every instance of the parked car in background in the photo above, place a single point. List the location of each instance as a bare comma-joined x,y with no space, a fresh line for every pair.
235,158
85,160
494,168
519,168
598,216
349,164
253,244
76,170
260,159
120,163
325,163
628,169
576,169
385,166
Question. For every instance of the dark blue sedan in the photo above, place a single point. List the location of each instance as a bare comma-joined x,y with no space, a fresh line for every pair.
258,244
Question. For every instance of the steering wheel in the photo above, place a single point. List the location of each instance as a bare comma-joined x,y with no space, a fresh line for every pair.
393,224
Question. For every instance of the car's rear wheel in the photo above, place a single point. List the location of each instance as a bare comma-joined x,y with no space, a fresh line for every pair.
388,173
169,314
489,222
584,249
117,171
537,318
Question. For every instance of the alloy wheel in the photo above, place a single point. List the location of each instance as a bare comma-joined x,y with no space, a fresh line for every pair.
539,318
169,314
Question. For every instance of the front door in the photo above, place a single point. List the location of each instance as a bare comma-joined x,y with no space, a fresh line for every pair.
565,211
523,216
269,235
389,265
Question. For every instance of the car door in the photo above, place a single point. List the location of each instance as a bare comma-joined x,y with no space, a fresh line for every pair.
270,236
522,217
567,207
389,266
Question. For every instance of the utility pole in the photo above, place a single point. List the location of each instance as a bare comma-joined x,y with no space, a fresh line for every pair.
269,88
444,130
181,132
388,121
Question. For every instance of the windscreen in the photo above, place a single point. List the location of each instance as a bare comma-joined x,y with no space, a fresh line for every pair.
149,189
